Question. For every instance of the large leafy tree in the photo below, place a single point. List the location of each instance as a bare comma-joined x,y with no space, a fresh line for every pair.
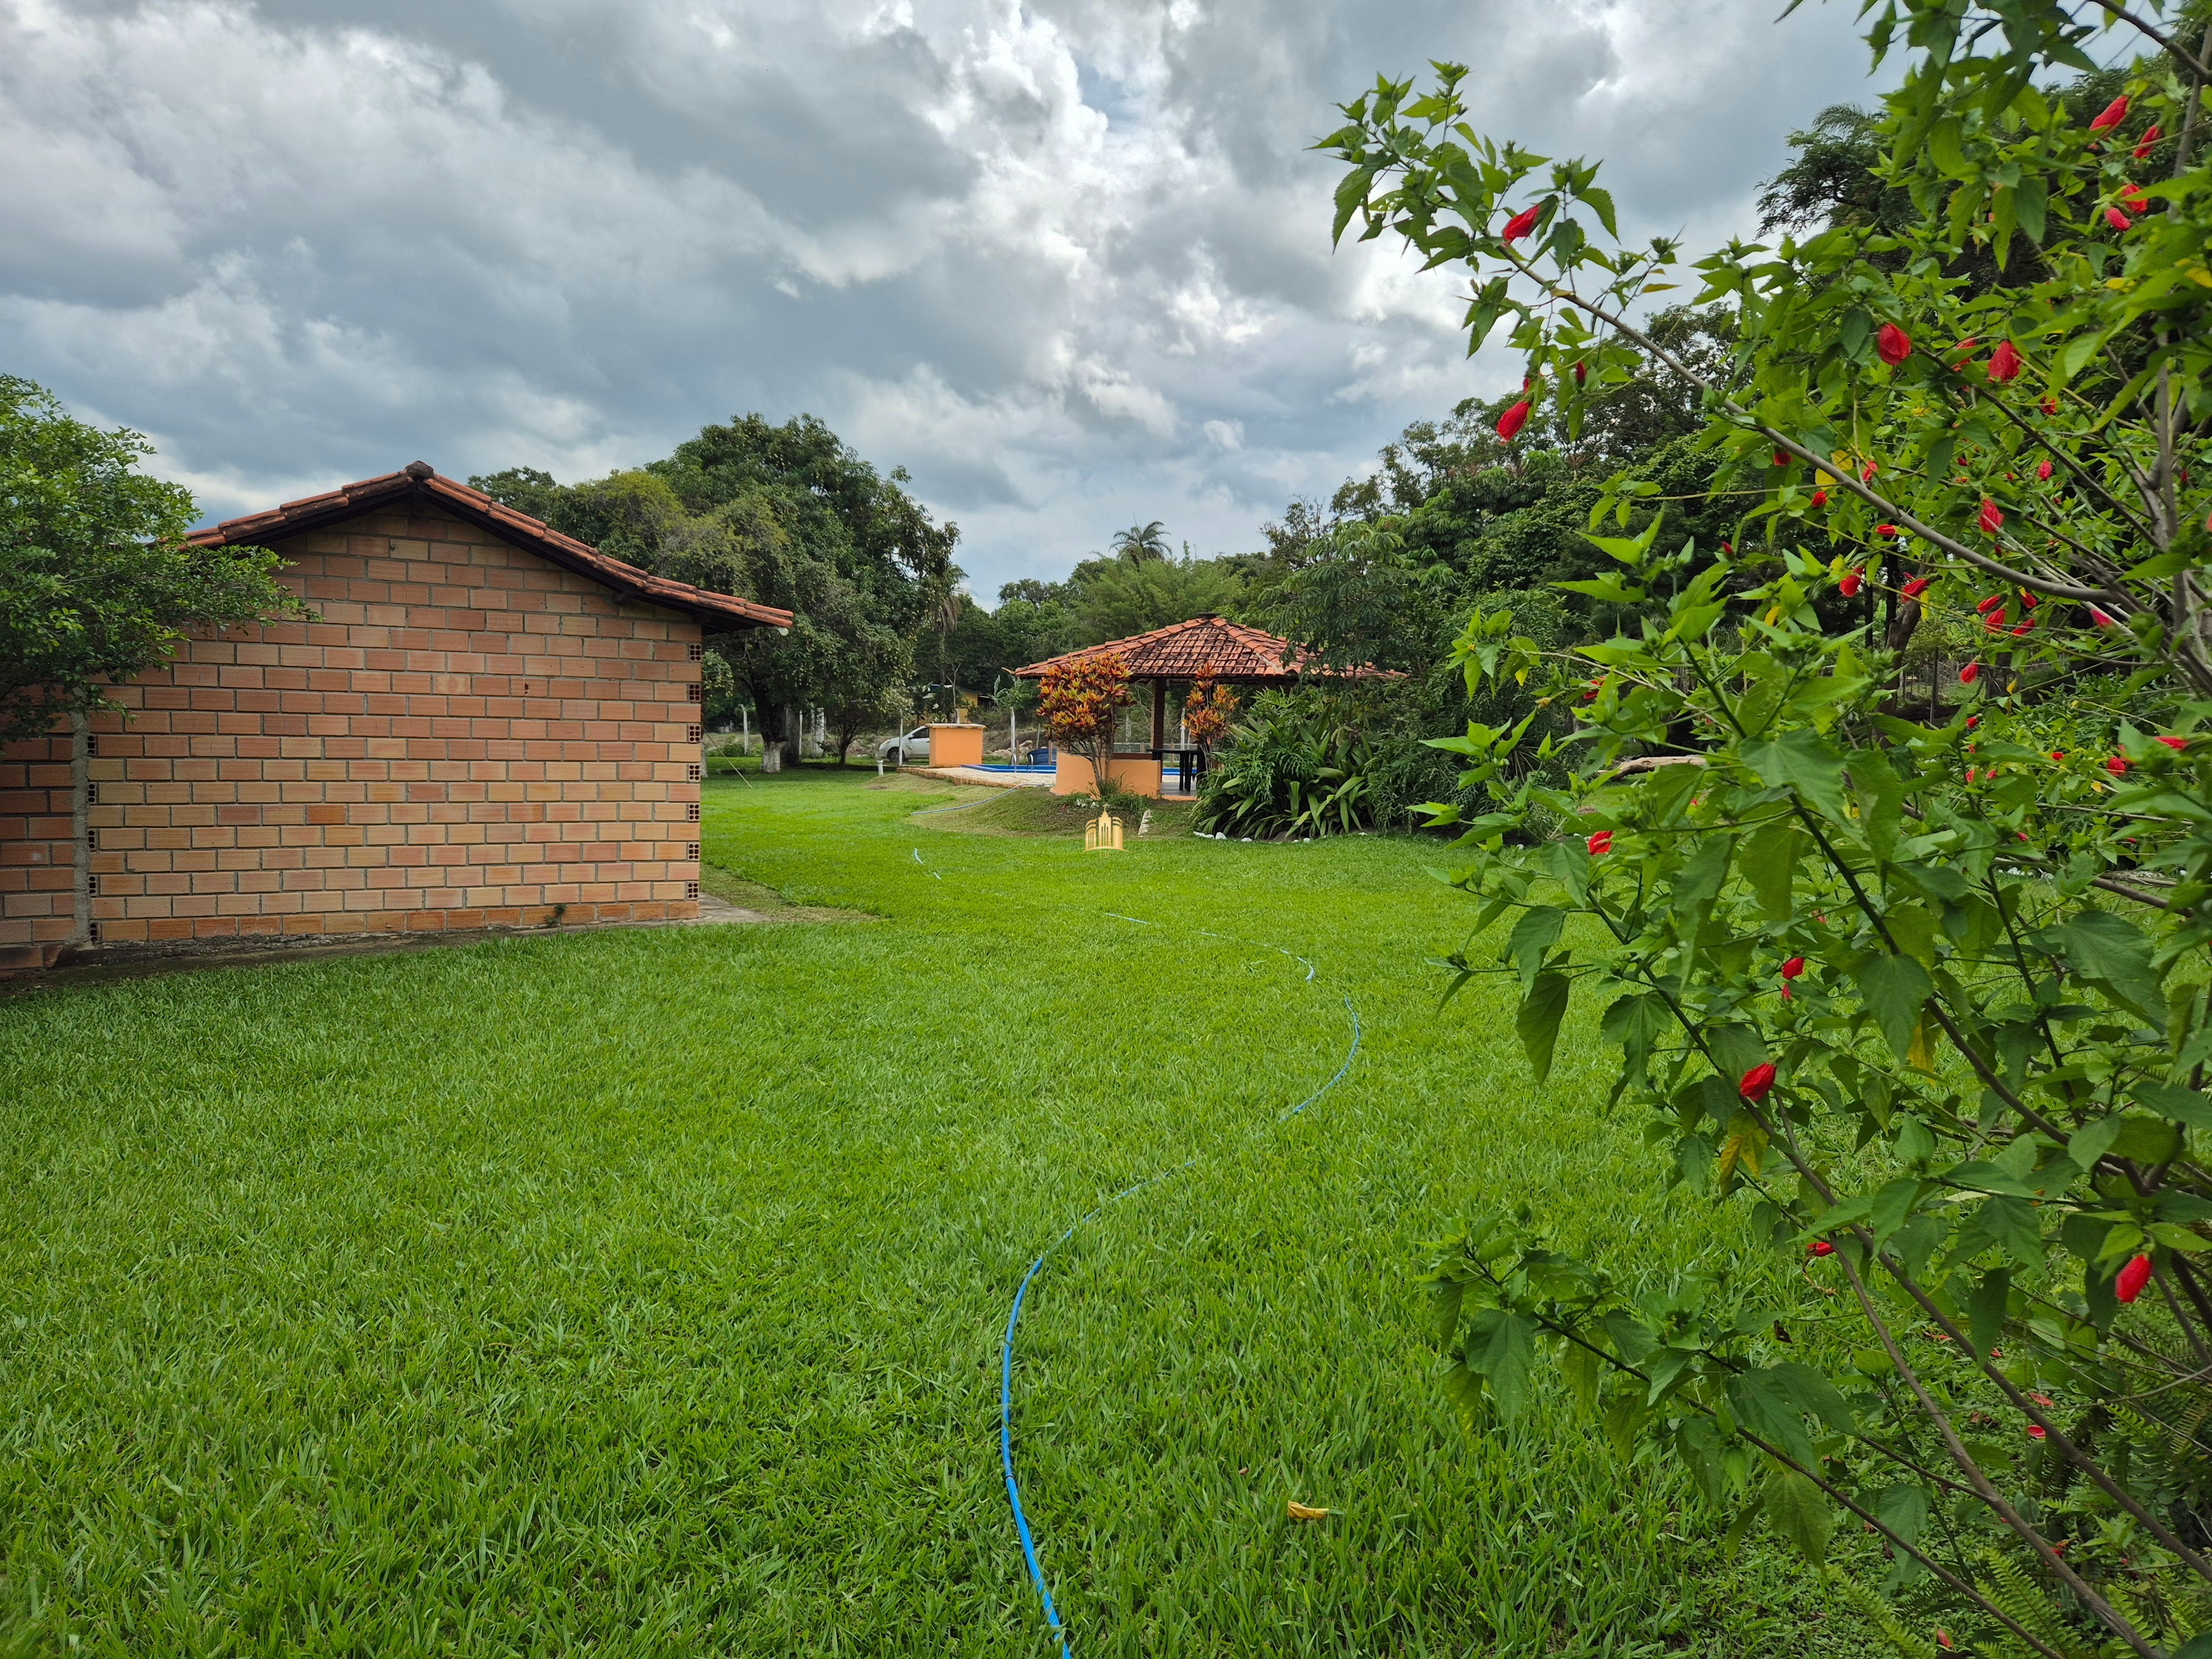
97,582
791,516
1931,997
1121,599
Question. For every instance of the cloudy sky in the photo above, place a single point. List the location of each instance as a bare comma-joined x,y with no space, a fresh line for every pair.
1066,261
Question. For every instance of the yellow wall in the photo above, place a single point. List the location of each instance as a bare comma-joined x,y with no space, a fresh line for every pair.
956,746
1137,774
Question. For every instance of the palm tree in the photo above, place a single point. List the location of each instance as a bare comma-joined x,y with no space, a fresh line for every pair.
1140,543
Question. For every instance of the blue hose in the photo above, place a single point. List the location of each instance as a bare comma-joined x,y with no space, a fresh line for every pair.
1013,1317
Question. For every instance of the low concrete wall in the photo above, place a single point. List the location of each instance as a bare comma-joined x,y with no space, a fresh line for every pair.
1138,774
956,746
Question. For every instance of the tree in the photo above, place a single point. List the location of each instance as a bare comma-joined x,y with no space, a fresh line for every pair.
790,516
1835,178
1117,600
97,582
1081,702
1933,1000
878,565
1140,543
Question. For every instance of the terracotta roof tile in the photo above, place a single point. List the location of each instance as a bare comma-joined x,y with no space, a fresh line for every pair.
1210,645
420,480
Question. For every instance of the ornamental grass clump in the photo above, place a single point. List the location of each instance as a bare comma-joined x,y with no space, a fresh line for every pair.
1934,1009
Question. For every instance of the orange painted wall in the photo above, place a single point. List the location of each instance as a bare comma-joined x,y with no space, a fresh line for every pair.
1138,774
956,746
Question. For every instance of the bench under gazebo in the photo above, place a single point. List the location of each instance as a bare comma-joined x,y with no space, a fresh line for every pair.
1207,646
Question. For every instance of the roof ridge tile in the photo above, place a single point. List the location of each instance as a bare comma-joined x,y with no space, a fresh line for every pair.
533,535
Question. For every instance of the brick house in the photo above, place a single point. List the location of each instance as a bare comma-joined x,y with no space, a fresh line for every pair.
487,724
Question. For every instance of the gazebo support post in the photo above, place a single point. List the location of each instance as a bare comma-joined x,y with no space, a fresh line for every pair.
1159,717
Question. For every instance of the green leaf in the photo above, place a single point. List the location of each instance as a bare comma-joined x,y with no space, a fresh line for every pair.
1942,147
2010,1223
1895,989
1903,1510
1600,202
1854,331
2158,569
1881,798
1804,761
1914,927
2030,197
1986,1308
2113,954
1538,1022
2170,1100
1584,1371
1798,1510
1501,1347
1809,1391
2146,1139
1533,935
1620,1422
1700,879
2092,1141
1604,589
1351,193
1891,1206
2078,351
1770,863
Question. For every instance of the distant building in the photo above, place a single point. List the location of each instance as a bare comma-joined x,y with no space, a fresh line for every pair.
486,724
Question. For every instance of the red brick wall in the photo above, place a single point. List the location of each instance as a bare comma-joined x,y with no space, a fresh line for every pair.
468,736
37,853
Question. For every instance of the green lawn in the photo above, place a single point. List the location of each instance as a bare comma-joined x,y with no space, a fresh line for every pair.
642,1290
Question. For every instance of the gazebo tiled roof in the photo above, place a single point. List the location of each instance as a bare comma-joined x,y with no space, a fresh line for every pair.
1208,645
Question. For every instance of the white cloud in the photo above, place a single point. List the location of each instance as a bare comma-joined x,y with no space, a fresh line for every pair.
1066,260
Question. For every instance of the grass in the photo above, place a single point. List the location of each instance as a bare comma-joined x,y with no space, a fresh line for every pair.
641,1291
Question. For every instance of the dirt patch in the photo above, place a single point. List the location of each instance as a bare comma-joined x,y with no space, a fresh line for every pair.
755,901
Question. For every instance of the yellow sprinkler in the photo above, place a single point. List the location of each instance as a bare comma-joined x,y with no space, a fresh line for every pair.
1103,834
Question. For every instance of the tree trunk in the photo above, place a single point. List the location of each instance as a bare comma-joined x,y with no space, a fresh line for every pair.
771,733
788,717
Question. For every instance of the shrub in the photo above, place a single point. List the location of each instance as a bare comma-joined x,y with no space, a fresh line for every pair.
1935,1005
1081,702
1291,769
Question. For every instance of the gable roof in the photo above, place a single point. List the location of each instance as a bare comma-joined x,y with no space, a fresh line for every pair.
420,480
1209,645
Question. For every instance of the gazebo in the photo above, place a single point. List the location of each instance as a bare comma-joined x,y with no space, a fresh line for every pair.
1209,645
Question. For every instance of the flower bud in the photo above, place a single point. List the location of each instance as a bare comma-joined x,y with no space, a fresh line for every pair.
2132,1279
